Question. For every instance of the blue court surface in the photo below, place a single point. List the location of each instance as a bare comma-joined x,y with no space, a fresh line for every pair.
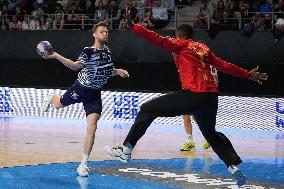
159,174
190,173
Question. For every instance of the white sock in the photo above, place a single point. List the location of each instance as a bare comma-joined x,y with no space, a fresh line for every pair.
127,149
85,159
190,138
232,169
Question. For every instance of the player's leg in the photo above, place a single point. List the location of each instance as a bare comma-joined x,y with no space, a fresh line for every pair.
92,120
169,105
206,144
71,96
93,107
189,145
221,145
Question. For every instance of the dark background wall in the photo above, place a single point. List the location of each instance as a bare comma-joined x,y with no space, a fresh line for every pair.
150,67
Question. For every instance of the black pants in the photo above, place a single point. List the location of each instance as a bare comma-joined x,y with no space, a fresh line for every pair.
203,106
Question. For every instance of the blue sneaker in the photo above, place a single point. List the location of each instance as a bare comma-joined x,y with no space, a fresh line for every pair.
238,175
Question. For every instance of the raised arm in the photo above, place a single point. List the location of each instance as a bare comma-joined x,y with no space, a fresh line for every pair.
164,42
67,62
236,71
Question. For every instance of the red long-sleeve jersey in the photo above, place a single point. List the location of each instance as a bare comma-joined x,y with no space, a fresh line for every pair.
193,60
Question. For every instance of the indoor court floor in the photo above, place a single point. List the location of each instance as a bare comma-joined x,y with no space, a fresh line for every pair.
44,153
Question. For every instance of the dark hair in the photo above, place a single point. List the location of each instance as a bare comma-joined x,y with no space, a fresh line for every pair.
101,23
184,31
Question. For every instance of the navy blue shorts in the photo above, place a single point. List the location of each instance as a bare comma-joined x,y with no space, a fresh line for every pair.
91,98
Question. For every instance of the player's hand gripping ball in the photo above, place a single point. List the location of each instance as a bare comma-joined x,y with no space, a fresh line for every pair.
44,48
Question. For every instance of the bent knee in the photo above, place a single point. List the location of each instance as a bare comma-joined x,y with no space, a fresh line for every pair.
56,102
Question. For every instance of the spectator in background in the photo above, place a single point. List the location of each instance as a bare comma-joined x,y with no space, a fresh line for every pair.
246,14
15,24
201,20
279,27
100,13
33,23
37,10
160,15
26,23
233,6
5,11
59,9
133,11
58,21
74,18
279,6
43,23
19,13
89,14
227,23
113,14
233,10
267,21
128,6
218,12
123,23
148,20
89,10
257,21
169,5
5,19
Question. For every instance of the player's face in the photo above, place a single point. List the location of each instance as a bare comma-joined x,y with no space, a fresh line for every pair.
101,34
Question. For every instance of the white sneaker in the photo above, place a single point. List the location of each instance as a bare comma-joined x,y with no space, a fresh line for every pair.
83,170
118,153
238,175
46,102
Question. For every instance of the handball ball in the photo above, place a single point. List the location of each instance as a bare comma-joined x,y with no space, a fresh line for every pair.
44,48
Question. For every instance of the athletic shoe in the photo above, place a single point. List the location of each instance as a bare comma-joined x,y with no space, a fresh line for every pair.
238,175
83,170
118,153
46,102
188,146
206,145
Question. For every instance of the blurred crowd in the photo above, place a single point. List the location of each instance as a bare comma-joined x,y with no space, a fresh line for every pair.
243,15
213,15
82,14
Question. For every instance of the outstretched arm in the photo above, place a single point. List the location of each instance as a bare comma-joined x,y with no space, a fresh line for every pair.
67,62
164,42
256,76
121,72
236,71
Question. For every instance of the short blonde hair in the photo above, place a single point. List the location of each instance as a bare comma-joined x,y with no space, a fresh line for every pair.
100,23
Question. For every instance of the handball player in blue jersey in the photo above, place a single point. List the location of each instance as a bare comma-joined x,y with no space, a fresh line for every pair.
95,68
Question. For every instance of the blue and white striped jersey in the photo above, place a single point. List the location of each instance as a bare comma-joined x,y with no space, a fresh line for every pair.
97,67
